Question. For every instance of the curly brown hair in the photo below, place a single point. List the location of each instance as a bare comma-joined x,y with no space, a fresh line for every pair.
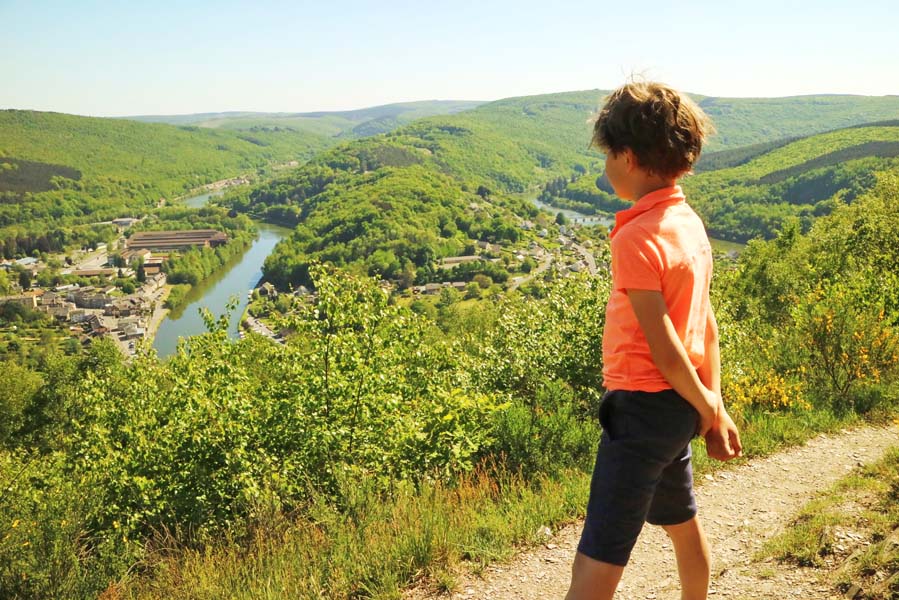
664,128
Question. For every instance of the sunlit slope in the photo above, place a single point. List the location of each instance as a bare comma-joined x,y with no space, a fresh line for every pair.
739,121
161,155
60,173
744,121
803,179
392,204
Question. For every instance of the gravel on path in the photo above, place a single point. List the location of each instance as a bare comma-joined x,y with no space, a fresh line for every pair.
740,508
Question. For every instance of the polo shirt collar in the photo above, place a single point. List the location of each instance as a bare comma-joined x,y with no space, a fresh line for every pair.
666,196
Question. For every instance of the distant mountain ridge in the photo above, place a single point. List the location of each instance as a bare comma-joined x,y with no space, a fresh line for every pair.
740,121
339,124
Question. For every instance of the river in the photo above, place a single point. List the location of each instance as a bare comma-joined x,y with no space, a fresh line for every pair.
235,279
732,248
575,216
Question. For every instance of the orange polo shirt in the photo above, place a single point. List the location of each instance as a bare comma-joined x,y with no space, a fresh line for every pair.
657,244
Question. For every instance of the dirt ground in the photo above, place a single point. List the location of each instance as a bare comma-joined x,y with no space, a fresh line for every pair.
740,508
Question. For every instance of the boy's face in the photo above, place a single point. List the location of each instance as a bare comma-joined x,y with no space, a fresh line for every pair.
618,168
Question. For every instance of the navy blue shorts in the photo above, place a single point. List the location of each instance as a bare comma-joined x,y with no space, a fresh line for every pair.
642,472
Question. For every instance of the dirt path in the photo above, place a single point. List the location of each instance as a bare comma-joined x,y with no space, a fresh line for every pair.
740,509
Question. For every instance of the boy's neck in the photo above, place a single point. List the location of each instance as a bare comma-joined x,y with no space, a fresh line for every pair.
650,184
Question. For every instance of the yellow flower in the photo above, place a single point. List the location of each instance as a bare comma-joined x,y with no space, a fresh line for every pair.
15,523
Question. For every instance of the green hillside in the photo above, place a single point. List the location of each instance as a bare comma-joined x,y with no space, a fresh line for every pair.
805,179
739,121
403,199
745,121
506,149
164,155
60,172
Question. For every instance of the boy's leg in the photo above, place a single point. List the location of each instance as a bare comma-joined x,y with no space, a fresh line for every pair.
692,552
592,579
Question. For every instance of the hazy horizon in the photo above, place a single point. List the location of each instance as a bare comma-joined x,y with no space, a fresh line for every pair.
105,59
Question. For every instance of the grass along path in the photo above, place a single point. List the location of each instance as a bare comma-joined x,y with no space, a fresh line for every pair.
849,535
741,508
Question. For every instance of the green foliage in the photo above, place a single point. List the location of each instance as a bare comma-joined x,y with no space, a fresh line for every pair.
221,429
177,295
556,337
813,318
48,549
843,330
384,223
18,386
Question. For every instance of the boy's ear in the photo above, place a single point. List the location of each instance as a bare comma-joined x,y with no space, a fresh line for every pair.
630,160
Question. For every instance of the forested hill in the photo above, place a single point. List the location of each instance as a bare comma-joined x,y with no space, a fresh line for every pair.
749,192
739,121
59,172
744,121
337,124
805,178
165,157
390,204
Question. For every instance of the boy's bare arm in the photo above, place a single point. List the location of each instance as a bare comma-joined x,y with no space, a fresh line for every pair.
723,439
670,356
710,370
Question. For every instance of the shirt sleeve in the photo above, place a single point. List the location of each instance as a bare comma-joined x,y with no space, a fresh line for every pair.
636,262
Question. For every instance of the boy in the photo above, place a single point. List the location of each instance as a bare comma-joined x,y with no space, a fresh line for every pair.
660,347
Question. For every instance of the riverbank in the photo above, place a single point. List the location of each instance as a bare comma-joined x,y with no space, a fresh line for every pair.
159,313
229,284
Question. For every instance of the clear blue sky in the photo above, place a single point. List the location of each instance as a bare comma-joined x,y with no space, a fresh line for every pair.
128,58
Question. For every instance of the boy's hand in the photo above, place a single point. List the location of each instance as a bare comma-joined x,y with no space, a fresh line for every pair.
722,441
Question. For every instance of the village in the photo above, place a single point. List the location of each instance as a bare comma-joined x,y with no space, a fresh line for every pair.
566,253
124,314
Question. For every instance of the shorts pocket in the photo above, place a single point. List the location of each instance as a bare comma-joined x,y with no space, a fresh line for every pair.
611,417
